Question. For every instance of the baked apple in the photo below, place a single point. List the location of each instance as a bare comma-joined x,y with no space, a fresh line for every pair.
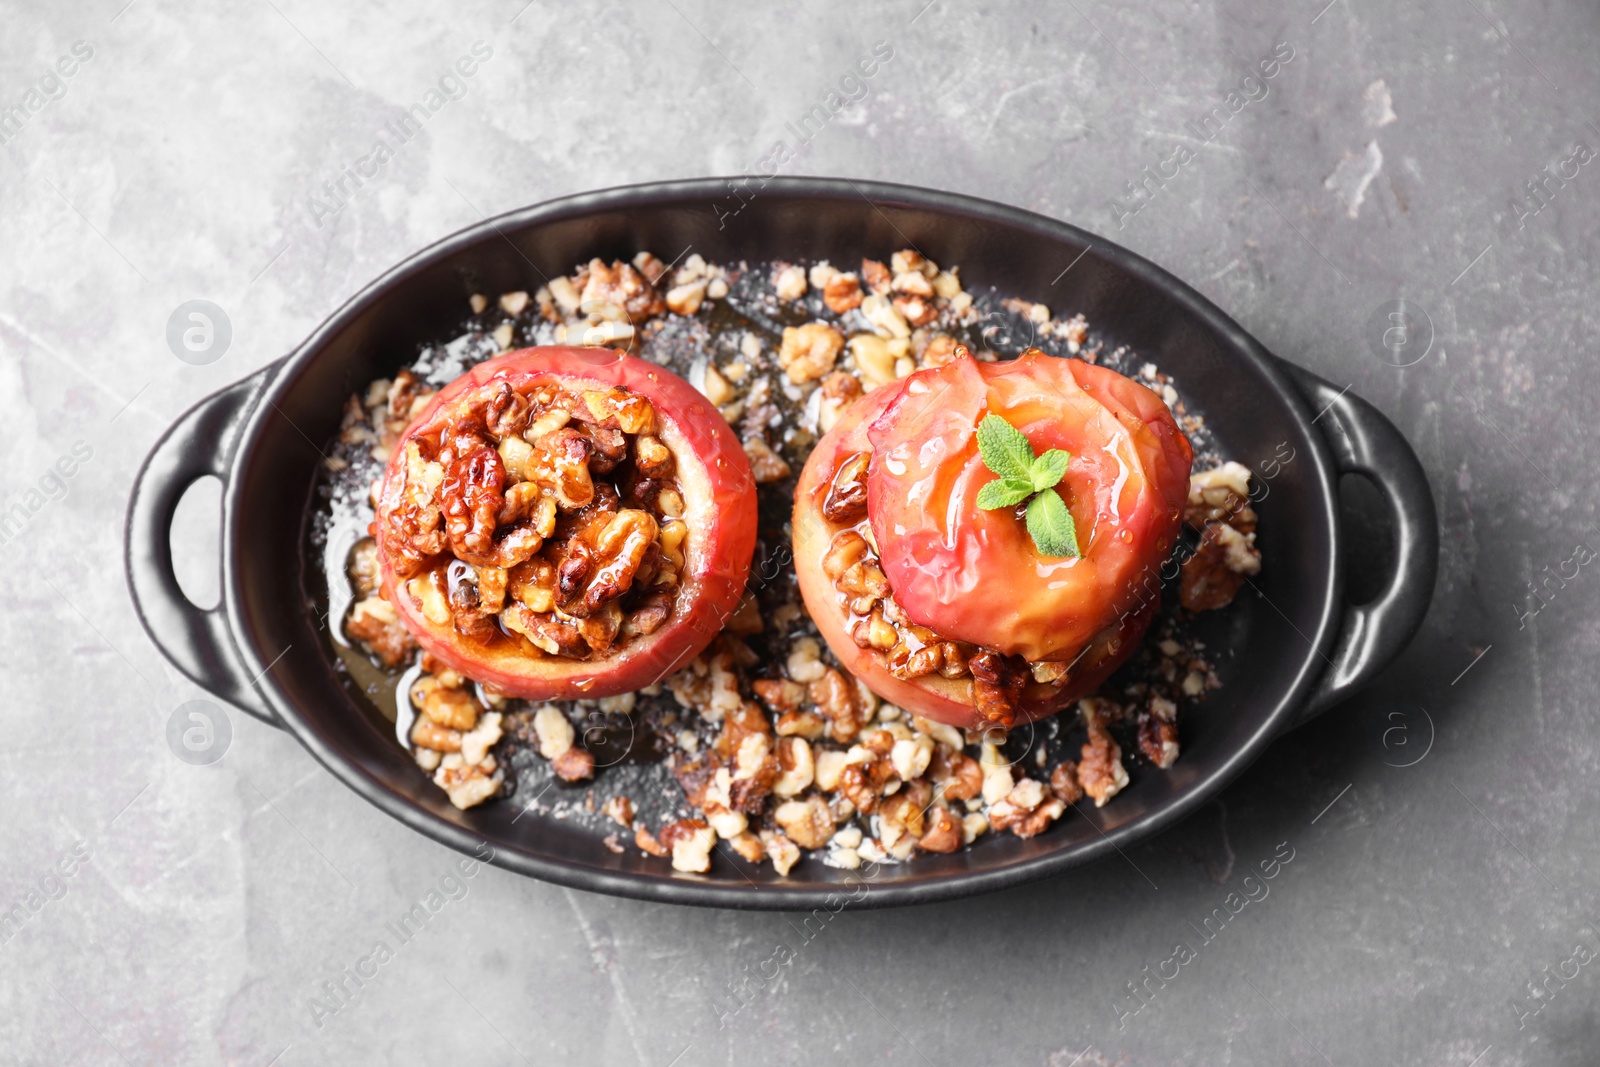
980,542
563,523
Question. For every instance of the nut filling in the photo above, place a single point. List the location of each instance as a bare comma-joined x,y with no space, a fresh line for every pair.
542,516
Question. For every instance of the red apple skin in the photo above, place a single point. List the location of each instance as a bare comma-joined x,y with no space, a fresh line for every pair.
975,575
720,508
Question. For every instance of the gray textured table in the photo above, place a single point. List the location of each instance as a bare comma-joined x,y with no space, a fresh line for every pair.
1434,910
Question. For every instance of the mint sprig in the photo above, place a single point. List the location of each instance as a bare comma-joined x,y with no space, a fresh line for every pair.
1007,452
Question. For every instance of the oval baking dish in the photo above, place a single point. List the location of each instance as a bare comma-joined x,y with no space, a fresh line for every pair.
1289,650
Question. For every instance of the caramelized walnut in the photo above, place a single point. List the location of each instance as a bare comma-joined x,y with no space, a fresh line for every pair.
507,514
997,686
472,494
614,560
651,613
506,412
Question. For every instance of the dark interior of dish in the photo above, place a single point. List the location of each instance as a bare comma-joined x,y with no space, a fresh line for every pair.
1268,649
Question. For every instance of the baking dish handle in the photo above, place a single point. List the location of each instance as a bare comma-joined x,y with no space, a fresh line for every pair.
1364,442
197,640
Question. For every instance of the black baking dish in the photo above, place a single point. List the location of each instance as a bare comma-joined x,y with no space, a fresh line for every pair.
1295,649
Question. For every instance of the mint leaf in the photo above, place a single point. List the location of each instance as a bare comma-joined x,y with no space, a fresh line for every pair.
1048,470
1050,525
1005,449
1003,493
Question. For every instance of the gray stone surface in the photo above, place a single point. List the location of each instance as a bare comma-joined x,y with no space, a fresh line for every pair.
1421,900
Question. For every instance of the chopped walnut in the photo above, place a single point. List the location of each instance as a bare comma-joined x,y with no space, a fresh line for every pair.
839,389
780,695
940,350
425,733
807,822
790,283
808,352
1100,770
366,576
554,731
1064,783
846,503
468,784
691,841
766,466
476,742
997,685
619,285
942,832
865,779
749,846
1213,576
836,700
648,842
1158,732
914,309
716,387
957,775
886,319
911,757
876,275
573,765
805,660
1221,494
451,707
620,808
909,260
874,358
686,299
806,724
842,292
901,822
1021,818
797,769
374,622
783,852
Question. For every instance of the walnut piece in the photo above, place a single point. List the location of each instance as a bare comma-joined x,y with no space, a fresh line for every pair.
842,292
1213,576
374,622
942,833
573,765
808,822
691,841
808,352
766,466
1100,770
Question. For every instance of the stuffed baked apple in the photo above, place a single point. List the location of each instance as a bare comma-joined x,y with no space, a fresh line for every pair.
566,523
975,541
